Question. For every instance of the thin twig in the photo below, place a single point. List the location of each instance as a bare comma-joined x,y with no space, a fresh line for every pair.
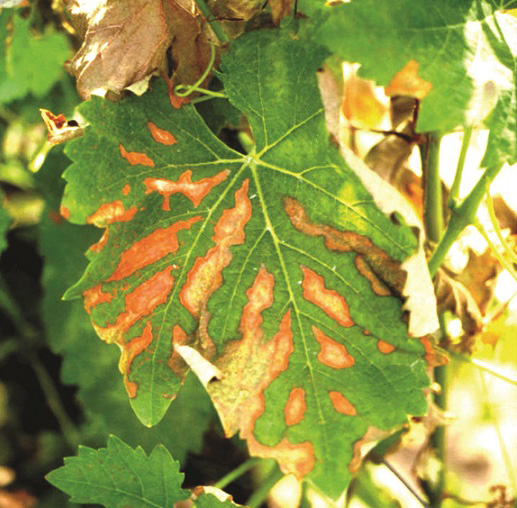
237,473
260,494
214,24
462,215
405,483
483,366
455,189
497,228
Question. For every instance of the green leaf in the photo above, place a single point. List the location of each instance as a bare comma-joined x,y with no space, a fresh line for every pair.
275,265
28,63
444,43
5,221
86,362
119,476
502,122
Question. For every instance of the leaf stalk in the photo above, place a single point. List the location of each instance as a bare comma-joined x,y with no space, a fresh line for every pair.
462,216
214,24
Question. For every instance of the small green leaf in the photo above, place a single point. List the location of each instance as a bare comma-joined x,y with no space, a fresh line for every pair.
120,476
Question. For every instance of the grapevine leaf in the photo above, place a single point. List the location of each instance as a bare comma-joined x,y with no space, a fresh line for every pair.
134,36
86,362
119,476
502,122
439,52
275,265
28,63
5,221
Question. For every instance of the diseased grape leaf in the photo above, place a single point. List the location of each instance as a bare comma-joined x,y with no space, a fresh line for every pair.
442,52
87,363
275,265
29,63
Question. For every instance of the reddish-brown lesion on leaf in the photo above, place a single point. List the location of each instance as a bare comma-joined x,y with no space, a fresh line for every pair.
206,274
151,248
140,303
378,287
135,158
249,366
328,300
433,356
126,189
195,191
385,347
342,404
332,353
387,269
94,296
108,213
64,211
97,247
129,352
295,407
161,135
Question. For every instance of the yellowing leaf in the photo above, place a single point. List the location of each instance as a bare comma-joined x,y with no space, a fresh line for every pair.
408,82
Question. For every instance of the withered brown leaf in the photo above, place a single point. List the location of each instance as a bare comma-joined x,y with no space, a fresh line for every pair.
127,40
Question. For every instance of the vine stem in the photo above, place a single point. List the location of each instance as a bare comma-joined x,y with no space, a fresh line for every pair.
463,215
433,222
405,483
455,188
497,228
214,24
237,473
483,366
260,494
433,203
504,263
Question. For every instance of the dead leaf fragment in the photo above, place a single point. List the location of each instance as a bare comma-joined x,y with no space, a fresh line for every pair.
59,129
127,40
280,9
408,82
453,296
361,107
479,276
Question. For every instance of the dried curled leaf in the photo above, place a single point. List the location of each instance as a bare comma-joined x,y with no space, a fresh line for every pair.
454,296
127,40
